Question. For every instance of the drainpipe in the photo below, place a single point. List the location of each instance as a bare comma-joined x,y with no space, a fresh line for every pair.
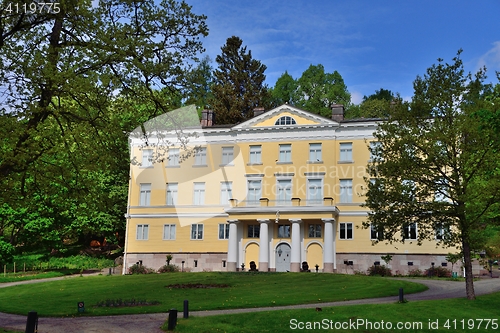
127,215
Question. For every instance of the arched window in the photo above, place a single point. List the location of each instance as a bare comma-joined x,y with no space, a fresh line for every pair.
285,120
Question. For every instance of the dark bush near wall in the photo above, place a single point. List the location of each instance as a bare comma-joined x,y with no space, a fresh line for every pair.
437,271
415,272
140,269
168,269
379,270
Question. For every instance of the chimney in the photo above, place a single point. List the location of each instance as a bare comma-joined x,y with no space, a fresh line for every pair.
258,111
337,112
207,118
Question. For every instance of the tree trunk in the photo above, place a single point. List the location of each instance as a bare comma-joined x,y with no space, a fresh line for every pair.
469,278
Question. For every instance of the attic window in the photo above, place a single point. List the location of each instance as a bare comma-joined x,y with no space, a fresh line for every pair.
285,120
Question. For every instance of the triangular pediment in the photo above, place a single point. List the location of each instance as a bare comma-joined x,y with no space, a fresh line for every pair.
272,118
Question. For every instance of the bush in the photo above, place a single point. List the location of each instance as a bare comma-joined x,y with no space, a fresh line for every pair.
438,271
6,252
168,269
381,270
415,272
140,269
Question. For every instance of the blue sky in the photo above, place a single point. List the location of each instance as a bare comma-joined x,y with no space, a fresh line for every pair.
372,44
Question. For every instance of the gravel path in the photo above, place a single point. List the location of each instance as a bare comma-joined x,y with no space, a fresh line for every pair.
150,323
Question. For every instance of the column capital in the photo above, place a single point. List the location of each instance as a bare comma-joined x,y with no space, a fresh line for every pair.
233,221
328,220
295,220
263,220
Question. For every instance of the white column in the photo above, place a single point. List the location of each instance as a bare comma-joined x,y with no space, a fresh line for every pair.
329,245
232,250
264,245
295,260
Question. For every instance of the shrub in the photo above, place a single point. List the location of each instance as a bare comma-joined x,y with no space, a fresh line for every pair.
168,269
381,270
438,271
415,272
140,269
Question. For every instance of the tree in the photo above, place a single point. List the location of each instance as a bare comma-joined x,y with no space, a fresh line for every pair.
64,162
284,90
380,95
446,142
318,91
198,86
238,86
377,105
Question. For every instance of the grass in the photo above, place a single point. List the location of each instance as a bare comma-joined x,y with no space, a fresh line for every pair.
245,290
14,277
437,312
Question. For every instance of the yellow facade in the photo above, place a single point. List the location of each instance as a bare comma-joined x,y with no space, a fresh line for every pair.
294,171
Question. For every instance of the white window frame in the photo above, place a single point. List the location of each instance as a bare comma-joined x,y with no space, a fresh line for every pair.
315,154
198,194
345,152
169,231
285,153
407,231
227,155
142,232
145,194
441,232
376,234
200,157
253,231
197,231
284,231
345,190
346,229
226,193
313,232
147,158
172,194
284,191
223,231
254,193
173,157
315,198
255,154
285,120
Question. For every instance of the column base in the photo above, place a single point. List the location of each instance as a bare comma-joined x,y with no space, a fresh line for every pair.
263,266
295,267
231,267
328,267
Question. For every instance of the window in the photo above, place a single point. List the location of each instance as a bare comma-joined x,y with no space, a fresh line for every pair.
226,192
285,153
142,231
441,231
254,192
346,190
284,191
315,152
255,154
223,230
285,120
145,195
376,233
441,193
173,157
314,191
147,157
227,155
253,231
199,194
345,230
410,231
196,231
346,152
283,231
171,194
200,157
169,231
314,230
375,147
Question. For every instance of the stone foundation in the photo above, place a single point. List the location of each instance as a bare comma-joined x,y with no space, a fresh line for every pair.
193,262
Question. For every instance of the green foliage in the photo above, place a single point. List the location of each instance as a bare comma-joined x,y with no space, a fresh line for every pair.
238,86
451,183
140,269
198,86
169,269
380,270
415,272
127,302
6,252
284,91
387,258
42,263
437,271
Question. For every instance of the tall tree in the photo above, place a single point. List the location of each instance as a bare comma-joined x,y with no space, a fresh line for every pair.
238,84
284,91
377,105
446,140
318,91
61,71
198,86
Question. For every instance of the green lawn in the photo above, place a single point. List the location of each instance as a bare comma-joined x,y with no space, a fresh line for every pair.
243,290
455,312
14,277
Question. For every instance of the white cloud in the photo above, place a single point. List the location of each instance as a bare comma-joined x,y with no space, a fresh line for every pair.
491,59
356,97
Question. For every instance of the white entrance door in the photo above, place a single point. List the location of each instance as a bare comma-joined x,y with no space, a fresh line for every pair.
283,253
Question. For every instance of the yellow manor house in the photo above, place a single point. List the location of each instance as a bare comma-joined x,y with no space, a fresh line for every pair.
278,190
